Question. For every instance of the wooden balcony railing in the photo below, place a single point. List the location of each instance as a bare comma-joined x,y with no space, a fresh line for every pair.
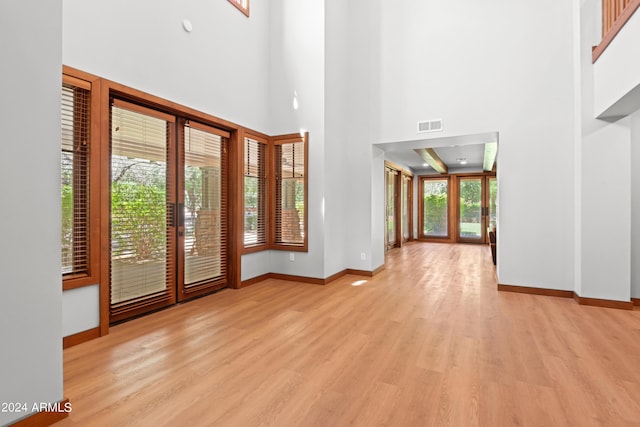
615,13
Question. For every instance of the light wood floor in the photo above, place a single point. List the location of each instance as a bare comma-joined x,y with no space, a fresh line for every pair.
427,342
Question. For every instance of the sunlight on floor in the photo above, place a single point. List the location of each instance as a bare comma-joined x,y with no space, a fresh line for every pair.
359,282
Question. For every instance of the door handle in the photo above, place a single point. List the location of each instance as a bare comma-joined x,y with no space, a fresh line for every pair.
180,214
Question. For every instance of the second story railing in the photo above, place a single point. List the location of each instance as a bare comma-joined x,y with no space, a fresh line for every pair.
611,11
615,13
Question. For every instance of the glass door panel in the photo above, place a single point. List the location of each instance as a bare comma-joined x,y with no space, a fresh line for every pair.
493,202
141,275
406,204
435,213
390,208
202,222
471,224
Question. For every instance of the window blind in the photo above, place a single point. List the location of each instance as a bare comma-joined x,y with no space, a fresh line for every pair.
74,161
140,240
290,193
255,192
205,209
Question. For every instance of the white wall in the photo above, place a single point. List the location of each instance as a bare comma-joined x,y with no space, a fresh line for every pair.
634,121
365,72
420,59
606,213
365,177
219,68
606,182
30,298
297,64
336,113
80,309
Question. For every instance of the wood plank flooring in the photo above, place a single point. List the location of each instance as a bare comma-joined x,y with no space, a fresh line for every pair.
427,342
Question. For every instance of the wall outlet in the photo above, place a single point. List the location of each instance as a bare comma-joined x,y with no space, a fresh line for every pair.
363,256
292,256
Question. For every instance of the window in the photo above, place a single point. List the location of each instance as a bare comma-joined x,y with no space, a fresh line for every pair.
291,192
242,5
77,200
255,192
435,207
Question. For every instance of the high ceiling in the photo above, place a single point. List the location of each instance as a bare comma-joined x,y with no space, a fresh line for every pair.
450,150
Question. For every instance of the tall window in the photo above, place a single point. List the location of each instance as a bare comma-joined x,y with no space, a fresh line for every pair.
291,192
255,192
435,207
74,185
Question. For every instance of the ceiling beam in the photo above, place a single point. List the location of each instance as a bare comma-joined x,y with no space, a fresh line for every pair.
430,156
490,153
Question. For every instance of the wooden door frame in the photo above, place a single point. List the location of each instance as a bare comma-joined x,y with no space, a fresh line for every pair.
110,89
182,292
400,173
450,206
396,204
409,205
453,208
484,203
144,305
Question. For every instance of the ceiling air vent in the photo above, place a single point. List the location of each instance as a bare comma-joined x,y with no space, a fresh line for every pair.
430,126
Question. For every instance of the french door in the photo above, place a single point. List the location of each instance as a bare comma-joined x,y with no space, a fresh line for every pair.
398,207
407,208
202,206
167,201
392,234
476,208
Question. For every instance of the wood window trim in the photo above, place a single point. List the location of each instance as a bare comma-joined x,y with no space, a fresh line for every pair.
280,140
240,6
484,199
92,83
402,173
449,238
398,168
193,289
408,177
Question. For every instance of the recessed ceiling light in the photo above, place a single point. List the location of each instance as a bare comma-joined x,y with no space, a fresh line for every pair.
462,161
425,165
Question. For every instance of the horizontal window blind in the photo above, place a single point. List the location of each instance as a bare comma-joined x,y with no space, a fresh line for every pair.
255,192
205,225
140,242
290,193
74,161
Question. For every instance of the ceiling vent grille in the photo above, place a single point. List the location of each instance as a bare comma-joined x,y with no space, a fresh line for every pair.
434,125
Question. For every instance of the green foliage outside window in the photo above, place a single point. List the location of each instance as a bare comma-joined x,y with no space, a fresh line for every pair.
435,214
138,221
